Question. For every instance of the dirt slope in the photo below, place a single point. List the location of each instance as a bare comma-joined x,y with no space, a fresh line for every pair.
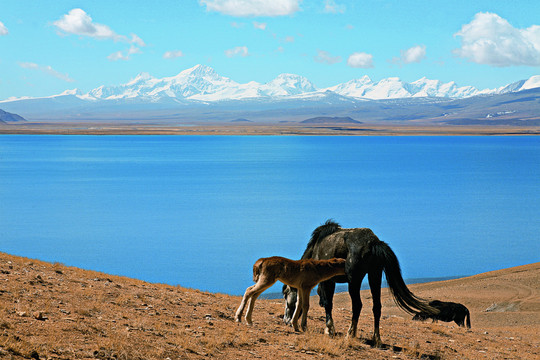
49,311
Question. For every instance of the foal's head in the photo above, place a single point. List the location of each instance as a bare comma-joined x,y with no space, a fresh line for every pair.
290,295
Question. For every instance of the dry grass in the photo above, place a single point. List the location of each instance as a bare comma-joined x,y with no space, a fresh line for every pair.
49,311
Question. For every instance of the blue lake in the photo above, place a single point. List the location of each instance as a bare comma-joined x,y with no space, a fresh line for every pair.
197,211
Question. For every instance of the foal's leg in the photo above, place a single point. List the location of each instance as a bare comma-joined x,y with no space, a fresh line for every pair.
305,307
245,299
374,278
262,284
250,296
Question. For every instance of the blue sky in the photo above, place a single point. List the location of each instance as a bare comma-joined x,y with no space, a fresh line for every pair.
47,47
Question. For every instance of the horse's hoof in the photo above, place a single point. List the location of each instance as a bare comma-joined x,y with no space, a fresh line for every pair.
377,343
329,331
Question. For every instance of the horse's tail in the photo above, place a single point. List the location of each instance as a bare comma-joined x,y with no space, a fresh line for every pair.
403,297
257,270
468,315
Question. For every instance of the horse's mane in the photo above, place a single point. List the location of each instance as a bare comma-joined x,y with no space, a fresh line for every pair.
328,228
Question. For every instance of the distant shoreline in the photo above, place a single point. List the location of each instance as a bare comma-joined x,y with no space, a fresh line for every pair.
341,288
99,128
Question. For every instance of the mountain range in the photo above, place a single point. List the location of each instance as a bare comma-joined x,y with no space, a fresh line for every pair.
6,117
200,93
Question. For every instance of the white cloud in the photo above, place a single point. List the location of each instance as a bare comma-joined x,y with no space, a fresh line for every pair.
124,55
3,29
414,54
360,60
173,54
260,26
330,6
137,40
47,70
289,39
491,40
237,51
326,58
78,22
245,8
29,65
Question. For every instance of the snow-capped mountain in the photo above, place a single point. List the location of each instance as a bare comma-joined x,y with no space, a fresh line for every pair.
201,94
197,82
531,83
394,88
287,84
203,84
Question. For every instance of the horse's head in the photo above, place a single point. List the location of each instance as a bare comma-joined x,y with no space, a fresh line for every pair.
291,296
420,316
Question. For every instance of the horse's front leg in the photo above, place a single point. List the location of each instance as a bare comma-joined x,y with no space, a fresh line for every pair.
297,310
326,295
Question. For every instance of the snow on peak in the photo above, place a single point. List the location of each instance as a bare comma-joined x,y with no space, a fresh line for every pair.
393,88
200,70
71,92
203,83
287,84
356,88
532,83
142,77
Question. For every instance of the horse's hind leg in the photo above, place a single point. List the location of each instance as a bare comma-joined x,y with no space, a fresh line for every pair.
374,278
326,295
354,293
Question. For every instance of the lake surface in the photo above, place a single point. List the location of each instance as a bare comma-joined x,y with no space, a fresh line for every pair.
199,210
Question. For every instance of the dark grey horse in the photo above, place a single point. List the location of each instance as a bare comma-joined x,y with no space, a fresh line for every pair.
365,254
448,311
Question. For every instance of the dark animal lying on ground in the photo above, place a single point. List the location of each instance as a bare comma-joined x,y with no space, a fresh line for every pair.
448,311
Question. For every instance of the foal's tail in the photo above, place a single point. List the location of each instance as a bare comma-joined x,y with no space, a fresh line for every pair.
403,297
257,270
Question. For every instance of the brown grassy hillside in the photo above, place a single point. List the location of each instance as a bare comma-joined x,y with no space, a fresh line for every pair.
50,311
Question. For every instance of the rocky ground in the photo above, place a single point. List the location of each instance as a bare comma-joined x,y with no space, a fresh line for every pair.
50,311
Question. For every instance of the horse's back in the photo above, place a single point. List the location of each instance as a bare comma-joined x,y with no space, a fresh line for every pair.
331,246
